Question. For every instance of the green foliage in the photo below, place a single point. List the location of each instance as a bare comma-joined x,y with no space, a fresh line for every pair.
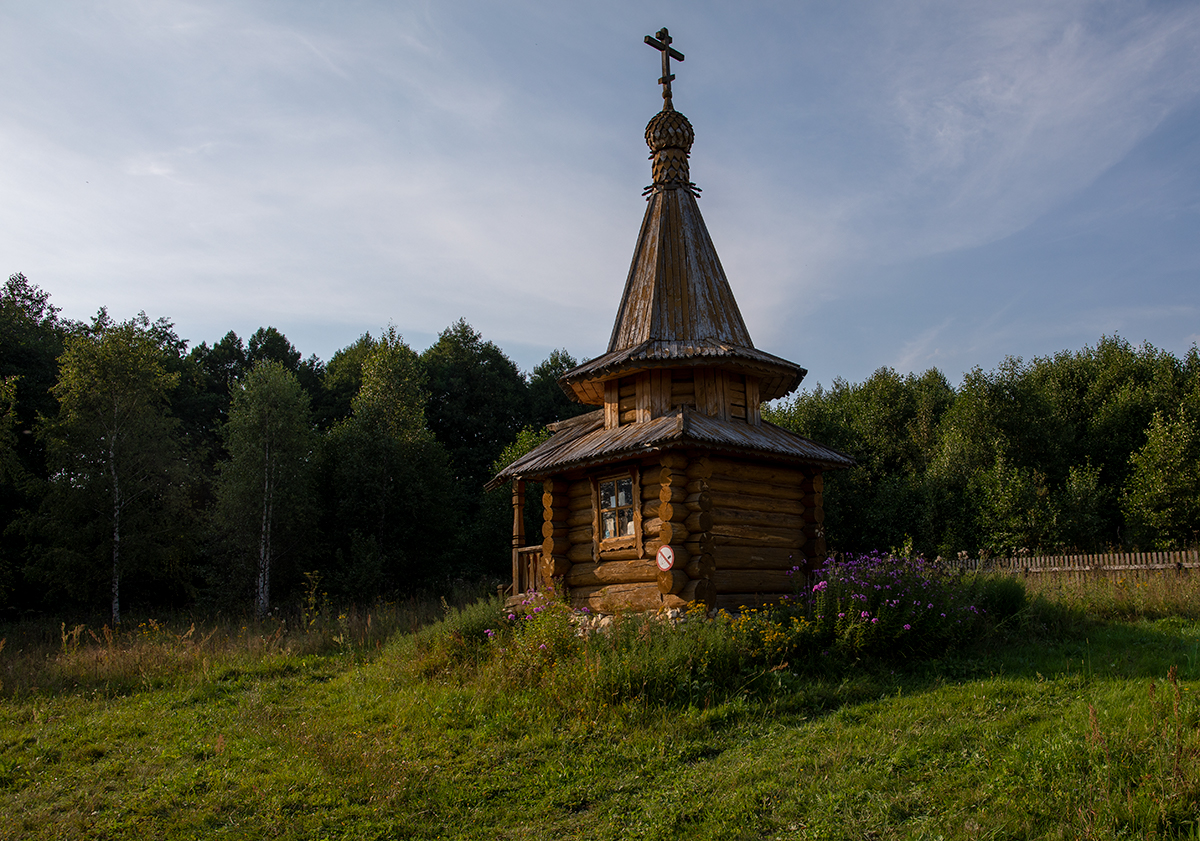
388,498
31,339
341,382
264,495
1162,499
497,503
116,496
477,400
1037,455
547,401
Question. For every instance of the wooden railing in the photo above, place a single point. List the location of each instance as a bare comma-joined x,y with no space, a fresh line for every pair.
1127,564
525,569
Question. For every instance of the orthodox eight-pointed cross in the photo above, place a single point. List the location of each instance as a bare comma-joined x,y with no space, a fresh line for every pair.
662,43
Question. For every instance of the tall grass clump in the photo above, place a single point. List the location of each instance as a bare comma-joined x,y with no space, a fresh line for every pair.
582,665
38,657
1133,596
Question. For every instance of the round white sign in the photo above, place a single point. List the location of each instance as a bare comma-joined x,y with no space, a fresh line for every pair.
665,558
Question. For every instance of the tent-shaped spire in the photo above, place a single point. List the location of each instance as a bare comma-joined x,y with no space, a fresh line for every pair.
676,290
677,308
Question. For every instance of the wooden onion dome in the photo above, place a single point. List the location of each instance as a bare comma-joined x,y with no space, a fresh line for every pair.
680,387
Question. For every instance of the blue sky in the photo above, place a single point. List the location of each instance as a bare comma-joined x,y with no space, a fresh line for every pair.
888,183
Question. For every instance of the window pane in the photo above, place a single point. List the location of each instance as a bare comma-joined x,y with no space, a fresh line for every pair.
624,492
625,519
607,495
608,524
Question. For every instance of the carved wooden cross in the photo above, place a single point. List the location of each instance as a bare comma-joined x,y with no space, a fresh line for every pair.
662,43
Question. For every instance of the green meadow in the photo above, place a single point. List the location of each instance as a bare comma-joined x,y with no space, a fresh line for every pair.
1073,717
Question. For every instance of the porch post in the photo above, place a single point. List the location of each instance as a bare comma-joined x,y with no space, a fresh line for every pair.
518,539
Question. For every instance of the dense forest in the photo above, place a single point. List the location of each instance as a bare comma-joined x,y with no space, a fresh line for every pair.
135,471
1088,451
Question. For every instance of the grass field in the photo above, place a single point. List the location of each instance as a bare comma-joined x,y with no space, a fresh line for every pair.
356,725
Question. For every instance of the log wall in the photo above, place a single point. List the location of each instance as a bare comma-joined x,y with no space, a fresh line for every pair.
737,528
659,391
761,518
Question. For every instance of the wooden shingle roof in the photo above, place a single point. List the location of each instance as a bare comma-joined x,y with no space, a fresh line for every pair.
583,442
676,290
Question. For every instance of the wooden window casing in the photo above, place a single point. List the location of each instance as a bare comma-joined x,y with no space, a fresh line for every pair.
608,490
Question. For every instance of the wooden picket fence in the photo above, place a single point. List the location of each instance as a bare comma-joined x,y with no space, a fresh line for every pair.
1109,564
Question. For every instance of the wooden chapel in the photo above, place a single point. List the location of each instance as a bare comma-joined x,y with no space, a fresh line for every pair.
675,490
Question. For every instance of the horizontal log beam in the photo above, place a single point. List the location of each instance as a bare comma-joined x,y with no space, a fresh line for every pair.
733,516
556,545
673,533
757,537
618,598
672,493
621,554
754,581
552,529
581,553
699,468
774,475
612,572
815,514
675,512
734,485
700,566
754,502
758,557
673,461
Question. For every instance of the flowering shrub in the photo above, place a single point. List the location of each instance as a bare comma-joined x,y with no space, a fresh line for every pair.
532,636
883,606
772,637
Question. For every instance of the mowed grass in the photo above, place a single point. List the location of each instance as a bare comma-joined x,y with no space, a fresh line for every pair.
1063,727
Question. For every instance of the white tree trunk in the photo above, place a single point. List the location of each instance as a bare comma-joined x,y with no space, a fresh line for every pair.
264,542
116,536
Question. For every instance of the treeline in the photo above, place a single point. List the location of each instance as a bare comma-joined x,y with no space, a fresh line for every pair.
134,470
1086,450
137,470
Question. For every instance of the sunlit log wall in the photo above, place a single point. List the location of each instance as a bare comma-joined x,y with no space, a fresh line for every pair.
738,531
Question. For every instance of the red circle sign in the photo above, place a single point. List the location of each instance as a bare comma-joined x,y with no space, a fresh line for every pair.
665,558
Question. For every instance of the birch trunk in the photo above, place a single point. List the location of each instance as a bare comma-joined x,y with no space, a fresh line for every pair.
116,535
264,543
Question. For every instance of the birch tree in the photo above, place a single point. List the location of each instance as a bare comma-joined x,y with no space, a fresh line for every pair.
113,447
264,487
